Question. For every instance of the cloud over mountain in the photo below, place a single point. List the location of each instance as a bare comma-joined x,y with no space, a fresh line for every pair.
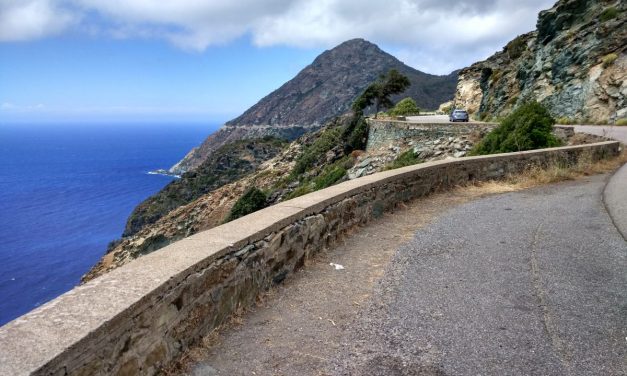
458,32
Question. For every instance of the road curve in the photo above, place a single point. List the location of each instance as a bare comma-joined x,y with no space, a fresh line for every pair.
618,133
525,283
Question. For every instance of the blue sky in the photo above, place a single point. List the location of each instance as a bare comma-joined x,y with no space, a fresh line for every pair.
209,60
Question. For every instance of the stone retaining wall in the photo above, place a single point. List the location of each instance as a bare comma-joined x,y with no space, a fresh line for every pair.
384,132
139,317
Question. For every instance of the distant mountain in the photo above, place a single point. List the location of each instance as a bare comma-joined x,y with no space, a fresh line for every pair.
574,63
321,91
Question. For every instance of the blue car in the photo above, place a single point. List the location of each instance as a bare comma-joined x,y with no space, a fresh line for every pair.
458,115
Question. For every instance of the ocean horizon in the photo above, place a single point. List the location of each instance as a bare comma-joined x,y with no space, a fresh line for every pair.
66,191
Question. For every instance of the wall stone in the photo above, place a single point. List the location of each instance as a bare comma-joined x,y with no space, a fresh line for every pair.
137,318
384,132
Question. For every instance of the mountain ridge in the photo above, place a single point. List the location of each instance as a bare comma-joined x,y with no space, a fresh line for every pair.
321,91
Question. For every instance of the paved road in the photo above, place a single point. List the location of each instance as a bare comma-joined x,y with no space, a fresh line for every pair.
615,199
433,119
428,119
617,133
526,283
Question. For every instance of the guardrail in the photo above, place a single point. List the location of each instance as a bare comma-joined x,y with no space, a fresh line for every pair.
137,318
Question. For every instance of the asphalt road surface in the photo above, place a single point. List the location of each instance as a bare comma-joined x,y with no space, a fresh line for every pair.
526,283
618,133
428,119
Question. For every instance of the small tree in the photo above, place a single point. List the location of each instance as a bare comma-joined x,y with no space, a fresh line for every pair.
405,107
529,127
379,92
251,201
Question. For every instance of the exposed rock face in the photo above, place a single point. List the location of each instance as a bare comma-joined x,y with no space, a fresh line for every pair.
575,63
321,91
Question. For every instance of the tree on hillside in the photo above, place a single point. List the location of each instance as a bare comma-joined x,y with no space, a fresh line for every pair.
379,92
405,107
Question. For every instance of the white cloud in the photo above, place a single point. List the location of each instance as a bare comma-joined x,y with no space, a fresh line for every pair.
31,19
432,35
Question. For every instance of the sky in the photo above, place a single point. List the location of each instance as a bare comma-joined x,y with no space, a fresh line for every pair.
209,60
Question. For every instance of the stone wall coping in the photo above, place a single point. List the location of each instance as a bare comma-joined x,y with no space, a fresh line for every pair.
36,338
431,125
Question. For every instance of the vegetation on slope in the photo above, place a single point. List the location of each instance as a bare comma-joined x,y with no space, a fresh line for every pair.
405,107
379,92
251,201
229,163
406,158
528,127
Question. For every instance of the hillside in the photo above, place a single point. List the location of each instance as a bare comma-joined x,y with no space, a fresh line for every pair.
229,163
574,63
321,91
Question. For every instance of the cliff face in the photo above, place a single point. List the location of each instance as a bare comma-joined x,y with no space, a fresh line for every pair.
321,91
575,63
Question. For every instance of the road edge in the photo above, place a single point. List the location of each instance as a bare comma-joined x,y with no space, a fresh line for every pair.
615,199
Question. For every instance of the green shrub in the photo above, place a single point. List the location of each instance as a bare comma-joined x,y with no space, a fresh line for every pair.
251,201
355,134
302,189
407,158
609,59
515,48
621,122
329,176
405,107
315,152
608,13
528,127
565,121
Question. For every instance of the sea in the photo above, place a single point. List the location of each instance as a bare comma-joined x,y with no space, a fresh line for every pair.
66,192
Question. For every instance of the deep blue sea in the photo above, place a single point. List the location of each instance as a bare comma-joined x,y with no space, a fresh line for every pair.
66,191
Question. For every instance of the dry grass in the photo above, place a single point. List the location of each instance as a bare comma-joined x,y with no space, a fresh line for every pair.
537,176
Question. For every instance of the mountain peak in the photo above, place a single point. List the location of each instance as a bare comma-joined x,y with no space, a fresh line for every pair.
320,92
327,87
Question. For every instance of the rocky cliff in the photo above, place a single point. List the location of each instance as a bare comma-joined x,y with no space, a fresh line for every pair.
321,91
574,63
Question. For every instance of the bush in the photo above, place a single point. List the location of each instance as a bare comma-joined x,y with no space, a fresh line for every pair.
251,201
608,14
515,48
621,122
609,59
565,121
528,127
405,107
355,134
406,158
315,152
329,177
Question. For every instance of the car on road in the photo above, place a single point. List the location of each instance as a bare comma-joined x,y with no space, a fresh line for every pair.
458,115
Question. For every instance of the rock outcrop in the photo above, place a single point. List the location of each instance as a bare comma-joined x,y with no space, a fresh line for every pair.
575,63
321,91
